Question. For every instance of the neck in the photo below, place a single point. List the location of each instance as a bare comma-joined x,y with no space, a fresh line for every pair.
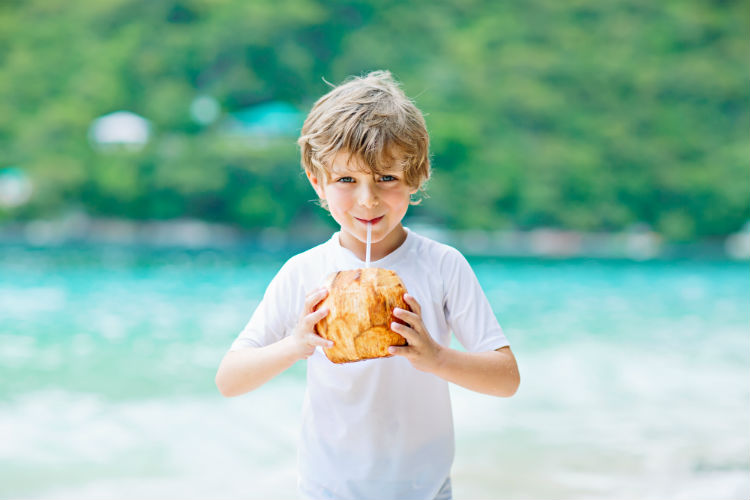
378,250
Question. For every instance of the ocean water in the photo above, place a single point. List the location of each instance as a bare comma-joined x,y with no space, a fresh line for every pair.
634,380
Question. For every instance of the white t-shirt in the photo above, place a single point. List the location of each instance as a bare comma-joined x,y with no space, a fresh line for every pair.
378,428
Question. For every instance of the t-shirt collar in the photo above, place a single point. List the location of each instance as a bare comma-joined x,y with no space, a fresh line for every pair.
347,256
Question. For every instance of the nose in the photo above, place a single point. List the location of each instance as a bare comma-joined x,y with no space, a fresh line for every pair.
367,196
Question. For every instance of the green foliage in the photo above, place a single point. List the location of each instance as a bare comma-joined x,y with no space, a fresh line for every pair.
583,115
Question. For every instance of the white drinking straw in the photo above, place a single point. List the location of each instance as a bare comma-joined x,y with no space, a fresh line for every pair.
369,240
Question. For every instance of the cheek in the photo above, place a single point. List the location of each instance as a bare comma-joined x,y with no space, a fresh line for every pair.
397,200
338,201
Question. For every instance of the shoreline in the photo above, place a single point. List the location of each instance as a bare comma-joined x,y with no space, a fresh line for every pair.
637,244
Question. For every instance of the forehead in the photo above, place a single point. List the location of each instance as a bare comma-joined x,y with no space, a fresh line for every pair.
344,162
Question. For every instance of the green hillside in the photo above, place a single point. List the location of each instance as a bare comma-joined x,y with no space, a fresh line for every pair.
583,115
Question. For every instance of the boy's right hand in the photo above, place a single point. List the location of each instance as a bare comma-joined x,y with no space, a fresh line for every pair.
304,337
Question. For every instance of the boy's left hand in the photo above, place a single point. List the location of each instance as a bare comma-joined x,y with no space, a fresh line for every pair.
422,351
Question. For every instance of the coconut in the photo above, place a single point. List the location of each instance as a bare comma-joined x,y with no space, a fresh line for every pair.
361,303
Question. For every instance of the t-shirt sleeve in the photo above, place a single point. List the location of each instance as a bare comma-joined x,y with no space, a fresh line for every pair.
275,316
467,310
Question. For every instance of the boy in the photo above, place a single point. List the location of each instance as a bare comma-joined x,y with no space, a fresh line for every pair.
379,428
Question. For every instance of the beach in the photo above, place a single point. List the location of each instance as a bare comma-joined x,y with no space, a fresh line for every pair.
633,380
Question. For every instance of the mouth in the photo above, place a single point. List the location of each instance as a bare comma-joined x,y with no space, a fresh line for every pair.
371,221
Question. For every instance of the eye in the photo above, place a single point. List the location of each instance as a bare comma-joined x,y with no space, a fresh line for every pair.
345,180
388,178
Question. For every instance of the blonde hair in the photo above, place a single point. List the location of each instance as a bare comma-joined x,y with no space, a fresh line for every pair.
371,118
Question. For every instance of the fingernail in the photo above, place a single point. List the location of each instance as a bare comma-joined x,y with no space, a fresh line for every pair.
330,344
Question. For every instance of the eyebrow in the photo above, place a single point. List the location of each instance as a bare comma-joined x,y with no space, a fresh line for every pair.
343,172
335,172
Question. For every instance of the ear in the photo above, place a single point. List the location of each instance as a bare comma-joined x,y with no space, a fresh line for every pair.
316,184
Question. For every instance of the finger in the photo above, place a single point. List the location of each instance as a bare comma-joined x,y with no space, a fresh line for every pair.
399,350
312,319
413,304
315,292
313,298
317,340
405,331
409,317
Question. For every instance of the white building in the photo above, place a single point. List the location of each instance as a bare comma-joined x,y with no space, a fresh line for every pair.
121,129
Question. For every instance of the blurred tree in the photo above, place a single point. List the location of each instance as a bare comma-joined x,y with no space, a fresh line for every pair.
583,115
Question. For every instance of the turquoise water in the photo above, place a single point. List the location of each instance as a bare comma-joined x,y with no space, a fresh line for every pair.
634,380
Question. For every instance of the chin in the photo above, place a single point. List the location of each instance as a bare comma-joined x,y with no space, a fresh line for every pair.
363,238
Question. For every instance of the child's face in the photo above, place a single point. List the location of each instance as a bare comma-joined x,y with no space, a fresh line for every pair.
355,197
